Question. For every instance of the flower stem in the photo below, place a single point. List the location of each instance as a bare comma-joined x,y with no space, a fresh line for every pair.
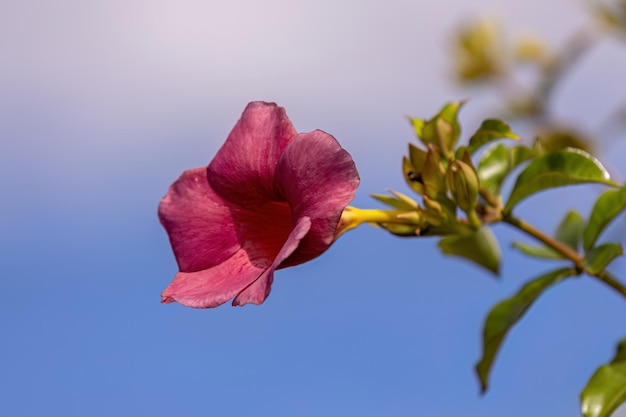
607,278
473,219
492,200
578,259
379,216
353,217
549,241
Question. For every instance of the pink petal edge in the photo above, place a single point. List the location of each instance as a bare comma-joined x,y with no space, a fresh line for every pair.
193,214
244,167
259,290
213,286
318,178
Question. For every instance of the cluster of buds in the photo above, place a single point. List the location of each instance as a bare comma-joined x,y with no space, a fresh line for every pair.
457,197
445,178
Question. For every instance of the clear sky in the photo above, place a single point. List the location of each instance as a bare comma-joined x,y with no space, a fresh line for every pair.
104,103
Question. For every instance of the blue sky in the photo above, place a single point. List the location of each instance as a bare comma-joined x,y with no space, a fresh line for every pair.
104,103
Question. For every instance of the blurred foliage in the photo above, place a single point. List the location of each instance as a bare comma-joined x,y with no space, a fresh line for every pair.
612,15
485,55
458,183
480,51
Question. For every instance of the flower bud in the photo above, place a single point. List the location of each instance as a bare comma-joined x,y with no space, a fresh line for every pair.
463,184
530,49
433,174
413,176
403,230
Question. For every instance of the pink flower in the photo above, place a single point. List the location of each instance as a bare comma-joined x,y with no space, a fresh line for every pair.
271,198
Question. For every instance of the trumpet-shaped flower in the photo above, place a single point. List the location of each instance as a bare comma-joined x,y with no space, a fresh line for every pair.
271,198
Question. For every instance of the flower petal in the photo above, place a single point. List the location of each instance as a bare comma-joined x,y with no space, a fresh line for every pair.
193,216
318,179
263,230
258,290
243,169
213,286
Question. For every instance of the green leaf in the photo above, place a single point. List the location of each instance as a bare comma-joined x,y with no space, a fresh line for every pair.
569,232
497,162
460,151
538,251
606,390
568,167
479,246
598,258
521,153
607,207
493,167
418,126
508,312
490,130
404,198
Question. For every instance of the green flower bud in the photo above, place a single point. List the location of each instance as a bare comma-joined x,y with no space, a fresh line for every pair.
463,184
403,230
434,175
442,131
412,176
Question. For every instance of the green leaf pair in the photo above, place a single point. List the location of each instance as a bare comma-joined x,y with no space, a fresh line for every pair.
573,231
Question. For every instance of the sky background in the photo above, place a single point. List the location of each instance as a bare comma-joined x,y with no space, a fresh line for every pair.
104,103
